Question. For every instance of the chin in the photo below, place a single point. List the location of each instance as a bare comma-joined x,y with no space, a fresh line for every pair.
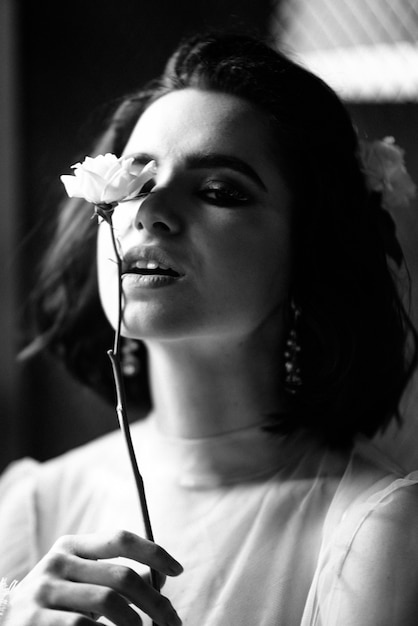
162,326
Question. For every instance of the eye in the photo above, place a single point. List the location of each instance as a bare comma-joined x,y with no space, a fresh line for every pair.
220,193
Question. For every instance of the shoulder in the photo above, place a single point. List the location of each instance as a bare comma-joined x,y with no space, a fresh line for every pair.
381,566
16,485
67,478
26,482
17,528
386,524
41,501
370,573
382,509
16,473
97,457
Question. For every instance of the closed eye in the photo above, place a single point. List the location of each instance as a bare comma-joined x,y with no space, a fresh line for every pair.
219,193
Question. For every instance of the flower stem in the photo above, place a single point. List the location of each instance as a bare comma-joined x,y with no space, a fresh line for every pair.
121,411
124,426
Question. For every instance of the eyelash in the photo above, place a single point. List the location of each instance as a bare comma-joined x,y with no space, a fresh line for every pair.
225,194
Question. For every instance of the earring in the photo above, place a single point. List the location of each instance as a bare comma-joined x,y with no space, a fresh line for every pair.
130,363
293,380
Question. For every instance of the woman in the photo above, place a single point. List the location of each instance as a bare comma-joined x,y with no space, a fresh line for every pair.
255,278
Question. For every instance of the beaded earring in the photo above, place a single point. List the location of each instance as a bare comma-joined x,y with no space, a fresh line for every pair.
130,363
293,379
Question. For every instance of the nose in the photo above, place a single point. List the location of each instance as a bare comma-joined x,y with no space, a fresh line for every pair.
157,214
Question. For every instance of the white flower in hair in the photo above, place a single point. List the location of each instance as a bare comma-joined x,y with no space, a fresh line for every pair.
385,171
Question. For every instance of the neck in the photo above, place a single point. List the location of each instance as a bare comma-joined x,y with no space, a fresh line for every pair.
205,387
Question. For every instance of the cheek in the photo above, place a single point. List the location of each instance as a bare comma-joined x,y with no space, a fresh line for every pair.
257,253
250,270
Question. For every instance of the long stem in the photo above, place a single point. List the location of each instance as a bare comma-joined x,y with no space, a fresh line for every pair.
121,411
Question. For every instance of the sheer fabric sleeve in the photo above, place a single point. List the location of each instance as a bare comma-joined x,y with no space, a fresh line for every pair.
18,519
368,568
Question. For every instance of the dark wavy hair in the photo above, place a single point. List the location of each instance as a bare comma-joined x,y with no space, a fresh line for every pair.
358,345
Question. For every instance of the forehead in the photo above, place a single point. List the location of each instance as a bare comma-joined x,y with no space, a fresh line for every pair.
192,119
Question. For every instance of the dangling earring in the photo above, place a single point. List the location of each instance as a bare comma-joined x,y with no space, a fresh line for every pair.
293,380
130,363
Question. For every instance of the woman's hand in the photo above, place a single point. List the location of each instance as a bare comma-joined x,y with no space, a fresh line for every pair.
72,586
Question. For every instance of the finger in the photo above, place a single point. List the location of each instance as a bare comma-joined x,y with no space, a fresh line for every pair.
64,618
161,579
90,600
126,582
121,543
61,618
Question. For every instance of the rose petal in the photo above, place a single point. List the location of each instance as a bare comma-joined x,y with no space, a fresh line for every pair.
148,172
102,164
71,186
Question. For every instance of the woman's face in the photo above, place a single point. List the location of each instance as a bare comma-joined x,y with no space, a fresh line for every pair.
207,252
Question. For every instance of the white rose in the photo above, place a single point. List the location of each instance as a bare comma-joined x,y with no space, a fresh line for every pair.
105,179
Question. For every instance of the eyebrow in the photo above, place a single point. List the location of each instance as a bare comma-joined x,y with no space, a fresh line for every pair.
203,161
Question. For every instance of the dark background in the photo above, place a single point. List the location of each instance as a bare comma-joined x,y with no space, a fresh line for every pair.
69,61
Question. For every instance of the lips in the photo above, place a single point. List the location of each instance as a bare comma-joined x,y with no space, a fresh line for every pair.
150,270
149,262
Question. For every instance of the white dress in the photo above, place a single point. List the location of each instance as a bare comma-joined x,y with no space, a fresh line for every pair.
270,531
